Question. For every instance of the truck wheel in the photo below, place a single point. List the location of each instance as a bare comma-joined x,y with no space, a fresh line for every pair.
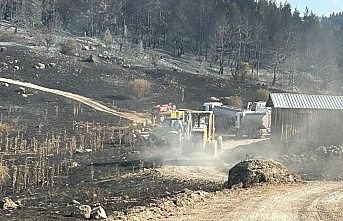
258,135
214,148
152,139
251,133
220,143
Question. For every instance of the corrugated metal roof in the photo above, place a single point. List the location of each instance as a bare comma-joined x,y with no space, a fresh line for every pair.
306,101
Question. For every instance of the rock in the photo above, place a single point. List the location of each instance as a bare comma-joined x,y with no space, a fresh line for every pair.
98,213
213,99
52,64
74,164
16,67
85,48
39,66
80,149
19,203
252,172
2,49
8,204
74,202
83,211
21,90
91,58
5,84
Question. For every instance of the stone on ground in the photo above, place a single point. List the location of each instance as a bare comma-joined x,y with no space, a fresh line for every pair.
98,213
8,204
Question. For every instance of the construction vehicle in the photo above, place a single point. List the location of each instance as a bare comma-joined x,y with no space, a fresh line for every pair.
188,131
200,134
169,127
169,132
252,122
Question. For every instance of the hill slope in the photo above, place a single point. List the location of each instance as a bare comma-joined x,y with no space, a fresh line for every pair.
106,80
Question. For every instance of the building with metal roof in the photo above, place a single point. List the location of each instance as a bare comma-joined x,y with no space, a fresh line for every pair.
299,119
305,101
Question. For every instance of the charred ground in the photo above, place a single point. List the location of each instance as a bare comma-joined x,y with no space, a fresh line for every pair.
45,172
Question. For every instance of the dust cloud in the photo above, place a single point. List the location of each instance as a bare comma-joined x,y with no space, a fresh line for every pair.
312,162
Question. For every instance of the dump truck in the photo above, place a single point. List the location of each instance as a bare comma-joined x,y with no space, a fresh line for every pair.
252,124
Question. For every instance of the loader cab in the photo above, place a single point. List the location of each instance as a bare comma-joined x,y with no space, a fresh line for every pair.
200,135
258,107
203,122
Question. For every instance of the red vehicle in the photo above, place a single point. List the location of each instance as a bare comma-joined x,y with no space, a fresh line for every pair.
162,108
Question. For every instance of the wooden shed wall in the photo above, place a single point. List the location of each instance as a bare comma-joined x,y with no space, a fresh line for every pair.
318,126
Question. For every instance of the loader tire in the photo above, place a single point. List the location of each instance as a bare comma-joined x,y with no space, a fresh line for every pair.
152,139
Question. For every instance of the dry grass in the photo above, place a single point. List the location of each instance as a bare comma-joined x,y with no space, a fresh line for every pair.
4,175
262,94
3,128
68,47
235,101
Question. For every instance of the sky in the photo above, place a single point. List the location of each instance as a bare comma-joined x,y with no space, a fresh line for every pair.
319,7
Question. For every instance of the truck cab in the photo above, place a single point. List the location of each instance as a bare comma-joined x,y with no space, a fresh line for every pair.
208,106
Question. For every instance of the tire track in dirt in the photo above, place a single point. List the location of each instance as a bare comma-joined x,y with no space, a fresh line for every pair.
293,203
309,201
134,117
324,206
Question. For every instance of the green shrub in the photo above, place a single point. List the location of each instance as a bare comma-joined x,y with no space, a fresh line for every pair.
140,87
235,101
262,94
68,47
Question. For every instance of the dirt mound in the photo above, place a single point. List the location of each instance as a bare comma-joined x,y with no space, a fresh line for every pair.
252,172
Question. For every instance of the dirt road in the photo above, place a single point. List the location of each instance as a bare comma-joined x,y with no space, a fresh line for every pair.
309,201
135,117
304,201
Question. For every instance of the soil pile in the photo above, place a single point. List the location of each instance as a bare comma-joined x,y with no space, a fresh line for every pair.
252,172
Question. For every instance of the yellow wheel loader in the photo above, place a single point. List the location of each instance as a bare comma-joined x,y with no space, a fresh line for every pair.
200,134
